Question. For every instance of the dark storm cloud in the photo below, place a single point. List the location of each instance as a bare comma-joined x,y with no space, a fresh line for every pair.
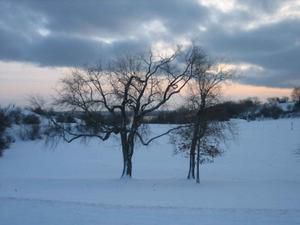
276,48
116,17
70,51
63,50
273,78
72,24
73,32
262,5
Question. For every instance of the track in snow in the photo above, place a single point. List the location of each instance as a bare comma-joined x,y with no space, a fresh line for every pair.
47,212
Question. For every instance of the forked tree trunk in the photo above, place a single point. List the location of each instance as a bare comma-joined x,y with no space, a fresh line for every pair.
127,166
127,150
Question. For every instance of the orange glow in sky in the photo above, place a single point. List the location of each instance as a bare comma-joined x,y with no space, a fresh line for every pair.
18,81
241,91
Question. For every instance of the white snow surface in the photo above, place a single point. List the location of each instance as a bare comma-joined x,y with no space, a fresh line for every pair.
256,181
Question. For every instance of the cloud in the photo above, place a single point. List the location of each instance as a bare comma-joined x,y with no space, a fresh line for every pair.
263,33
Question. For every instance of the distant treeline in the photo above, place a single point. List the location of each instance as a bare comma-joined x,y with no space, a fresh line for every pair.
249,109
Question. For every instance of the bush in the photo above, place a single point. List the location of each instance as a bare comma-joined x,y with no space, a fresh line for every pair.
297,107
5,141
94,121
15,115
31,129
31,119
39,110
5,122
65,118
30,132
272,111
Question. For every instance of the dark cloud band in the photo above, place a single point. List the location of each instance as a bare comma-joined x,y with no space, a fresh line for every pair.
74,33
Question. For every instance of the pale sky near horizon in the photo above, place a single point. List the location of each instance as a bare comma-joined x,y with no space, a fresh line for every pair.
41,40
42,81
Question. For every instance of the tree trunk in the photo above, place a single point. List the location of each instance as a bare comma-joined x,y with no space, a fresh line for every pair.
127,150
198,164
124,166
130,154
127,166
191,173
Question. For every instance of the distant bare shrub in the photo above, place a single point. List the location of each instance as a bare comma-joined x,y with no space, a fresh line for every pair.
30,132
5,122
31,119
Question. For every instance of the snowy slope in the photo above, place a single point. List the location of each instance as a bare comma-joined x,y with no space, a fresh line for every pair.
257,181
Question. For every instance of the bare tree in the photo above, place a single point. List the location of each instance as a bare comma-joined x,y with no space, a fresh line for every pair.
116,97
296,95
202,137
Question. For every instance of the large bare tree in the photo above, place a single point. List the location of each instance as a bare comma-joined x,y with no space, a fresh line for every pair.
204,133
115,97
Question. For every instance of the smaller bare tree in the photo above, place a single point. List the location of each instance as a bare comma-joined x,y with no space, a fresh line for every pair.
204,133
296,95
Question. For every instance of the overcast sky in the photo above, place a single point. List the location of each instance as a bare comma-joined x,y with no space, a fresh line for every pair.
260,37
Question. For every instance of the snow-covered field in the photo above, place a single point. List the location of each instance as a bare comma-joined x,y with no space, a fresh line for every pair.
257,181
